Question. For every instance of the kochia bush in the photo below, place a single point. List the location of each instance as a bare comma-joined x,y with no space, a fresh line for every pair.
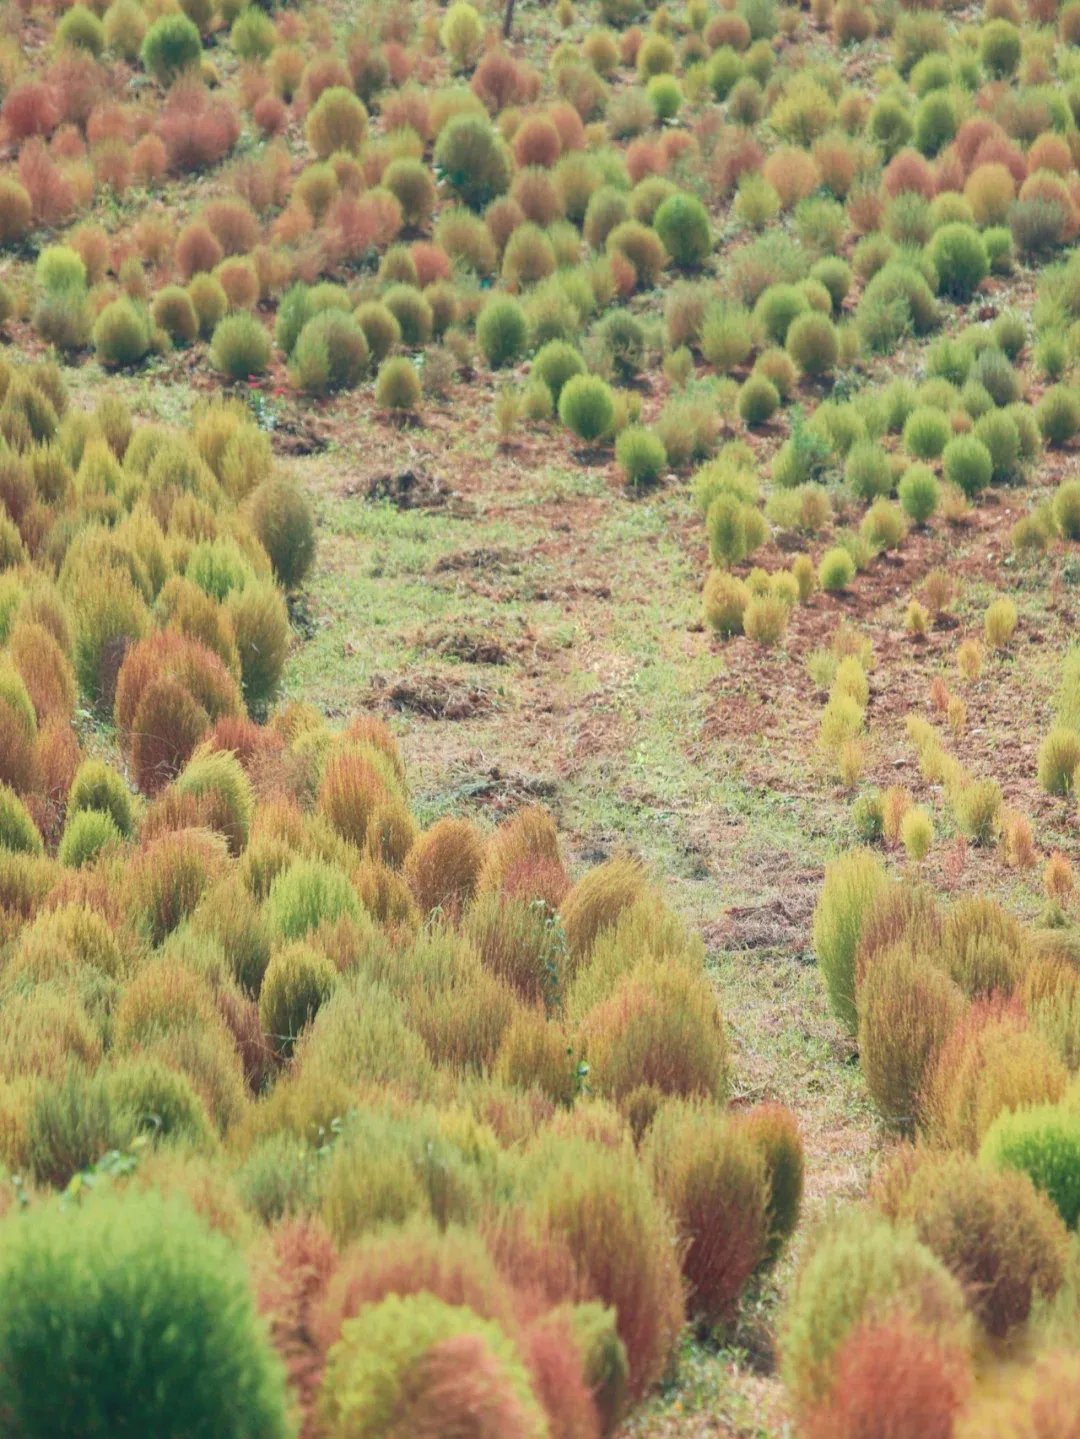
157,1331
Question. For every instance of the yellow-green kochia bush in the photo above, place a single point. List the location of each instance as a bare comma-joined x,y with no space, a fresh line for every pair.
852,883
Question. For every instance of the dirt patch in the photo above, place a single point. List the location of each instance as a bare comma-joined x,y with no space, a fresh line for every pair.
779,923
411,489
494,558
435,696
468,646
298,435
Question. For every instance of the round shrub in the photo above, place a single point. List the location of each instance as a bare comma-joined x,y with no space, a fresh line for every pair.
765,619
813,344
240,347
85,835
682,223
422,1366
852,885
859,1270
906,1009
98,786
607,1213
331,353
260,623
759,399
122,333
724,602
959,256
715,1183
297,981
170,46
641,455
919,493
998,1236
777,307
219,781
1059,755
252,34
966,463
665,96
397,387
337,121
307,894
157,1333
18,833
1044,1144
413,314
473,159
867,471
174,312
926,432
836,570
210,301
380,327
587,407
81,29
502,331
998,432
999,48
16,211
1067,509
1058,414
555,363
280,515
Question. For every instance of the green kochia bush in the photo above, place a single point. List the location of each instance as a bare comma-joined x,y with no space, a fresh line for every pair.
305,895
959,257
170,46
1044,1144
641,455
122,333
682,223
555,363
852,884
501,331
587,407
86,833
127,1315
331,353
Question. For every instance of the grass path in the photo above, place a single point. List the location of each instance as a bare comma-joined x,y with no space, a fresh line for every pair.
598,706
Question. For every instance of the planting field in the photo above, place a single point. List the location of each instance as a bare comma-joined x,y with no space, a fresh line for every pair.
539,719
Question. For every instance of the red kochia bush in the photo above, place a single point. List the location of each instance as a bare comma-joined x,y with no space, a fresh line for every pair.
971,135
893,1381
198,129
909,171
431,261
554,1362
291,1276
645,156
569,125
197,250
52,195
32,108
271,114
233,223
168,653
453,1264
500,81
460,1386
355,224
537,142
167,726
